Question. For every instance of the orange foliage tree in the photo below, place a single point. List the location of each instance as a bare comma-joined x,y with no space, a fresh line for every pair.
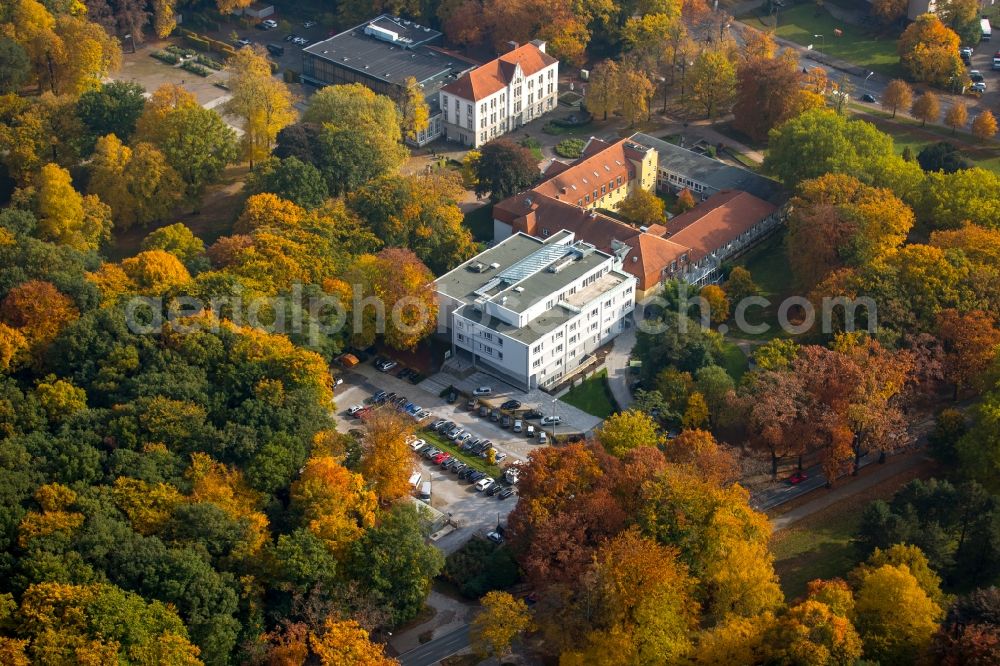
38,311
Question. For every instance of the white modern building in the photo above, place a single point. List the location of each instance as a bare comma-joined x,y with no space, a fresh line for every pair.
532,310
500,96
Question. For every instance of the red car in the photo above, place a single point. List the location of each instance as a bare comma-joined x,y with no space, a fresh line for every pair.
797,478
441,457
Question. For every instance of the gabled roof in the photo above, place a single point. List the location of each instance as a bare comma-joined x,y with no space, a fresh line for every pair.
717,221
601,163
497,74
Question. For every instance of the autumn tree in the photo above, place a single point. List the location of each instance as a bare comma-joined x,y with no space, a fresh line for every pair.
333,502
346,643
602,96
66,217
897,95
927,107
413,110
813,628
502,619
261,102
386,459
642,208
928,51
717,302
635,91
740,285
38,311
956,116
178,240
699,450
889,11
713,82
155,271
137,183
894,616
503,169
623,431
985,125
696,413
839,221
970,631
971,341
685,201
768,92
268,210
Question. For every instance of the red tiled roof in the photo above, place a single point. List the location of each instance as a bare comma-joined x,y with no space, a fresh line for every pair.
496,74
602,163
650,256
717,221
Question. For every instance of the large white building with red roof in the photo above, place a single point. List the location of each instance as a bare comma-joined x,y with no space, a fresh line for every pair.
500,96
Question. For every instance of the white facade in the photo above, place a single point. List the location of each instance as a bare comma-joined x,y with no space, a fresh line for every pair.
525,98
535,330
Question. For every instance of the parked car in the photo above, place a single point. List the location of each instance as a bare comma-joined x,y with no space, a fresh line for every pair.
472,404
430,452
543,437
495,415
309,24
475,477
978,86
452,397
493,490
301,41
868,97
511,404
459,467
976,76
416,444
484,410
532,414
243,42
466,473
437,424
354,409
379,397
518,425
551,420
484,483
495,537
505,493
796,478
483,390
500,457
505,421
416,377
386,366
269,24
441,457
531,431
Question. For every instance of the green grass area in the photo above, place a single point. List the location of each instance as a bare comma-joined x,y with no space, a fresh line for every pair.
802,554
473,461
480,223
593,396
906,132
856,45
770,270
734,361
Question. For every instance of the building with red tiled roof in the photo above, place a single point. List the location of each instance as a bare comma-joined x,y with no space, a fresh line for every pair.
500,96
690,247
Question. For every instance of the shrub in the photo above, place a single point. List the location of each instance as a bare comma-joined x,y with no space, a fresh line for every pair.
195,68
168,58
534,145
572,148
208,62
480,566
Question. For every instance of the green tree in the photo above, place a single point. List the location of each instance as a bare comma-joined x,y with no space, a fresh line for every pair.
740,285
713,82
352,158
395,564
114,108
14,65
291,179
503,169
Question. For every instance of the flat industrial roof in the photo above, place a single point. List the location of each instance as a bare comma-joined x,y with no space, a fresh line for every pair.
392,62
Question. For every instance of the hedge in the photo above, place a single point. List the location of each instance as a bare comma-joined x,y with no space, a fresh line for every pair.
163,56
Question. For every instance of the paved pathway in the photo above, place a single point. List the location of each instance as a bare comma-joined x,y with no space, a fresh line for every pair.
616,363
437,649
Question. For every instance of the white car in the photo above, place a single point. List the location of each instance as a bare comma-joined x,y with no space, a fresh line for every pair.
979,87
309,24
417,444
243,42
483,390
270,24
494,537
551,420
354,409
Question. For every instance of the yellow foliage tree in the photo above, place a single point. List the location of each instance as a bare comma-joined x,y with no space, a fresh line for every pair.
735,640
696,412
66,217
698,449
811,631
59,398
111,281
928,51
386,458
346,643
268,210
13,348
334,501
38,311
147,505
413,110
260,101
718,302
985,125
502,619
212,481
894,615
54,500
642,208
624,431
155,271
956,116
136,182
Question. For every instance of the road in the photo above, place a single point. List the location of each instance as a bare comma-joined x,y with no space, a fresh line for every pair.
440,648
772,497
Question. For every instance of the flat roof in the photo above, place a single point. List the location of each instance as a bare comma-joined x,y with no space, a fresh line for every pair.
712,172
389,61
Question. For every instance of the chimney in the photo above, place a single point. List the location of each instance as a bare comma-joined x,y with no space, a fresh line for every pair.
510,46
539,44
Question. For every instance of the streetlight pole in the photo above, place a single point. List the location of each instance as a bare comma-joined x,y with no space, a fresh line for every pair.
822,41
554,421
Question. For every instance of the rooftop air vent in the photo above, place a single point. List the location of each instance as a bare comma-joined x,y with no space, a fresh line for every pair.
476,267
494,265
519,289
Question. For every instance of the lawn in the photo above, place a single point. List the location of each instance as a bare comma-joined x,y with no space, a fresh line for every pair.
593,396
734,361
819,549
857,45
906,132
480,223
770,270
